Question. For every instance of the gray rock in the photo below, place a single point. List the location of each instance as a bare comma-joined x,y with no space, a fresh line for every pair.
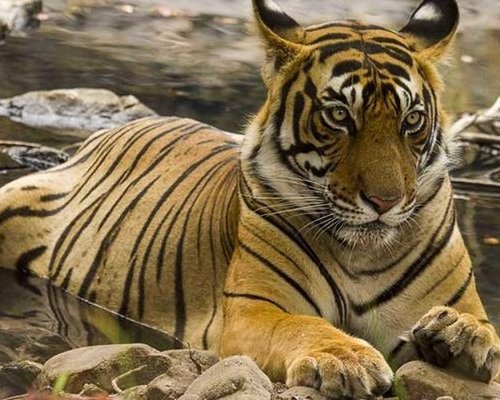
101,365
235,378
187,365
197,361
301,393
74,109
418,380
36,157
17,15
17,378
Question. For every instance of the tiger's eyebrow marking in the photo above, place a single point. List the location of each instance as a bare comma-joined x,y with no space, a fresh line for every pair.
331,94
345,67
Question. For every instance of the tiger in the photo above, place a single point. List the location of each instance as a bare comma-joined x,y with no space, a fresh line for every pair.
322,243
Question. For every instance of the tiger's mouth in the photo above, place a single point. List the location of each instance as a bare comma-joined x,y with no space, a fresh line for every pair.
374,234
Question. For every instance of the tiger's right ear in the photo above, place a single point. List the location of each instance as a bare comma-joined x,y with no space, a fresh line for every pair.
281,34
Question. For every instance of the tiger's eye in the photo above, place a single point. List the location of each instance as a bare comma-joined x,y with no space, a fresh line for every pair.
339,114
413,118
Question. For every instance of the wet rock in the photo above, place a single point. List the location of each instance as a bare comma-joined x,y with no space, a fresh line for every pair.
235,378
17,378
101,365
17,15
74,109
418,380
30,343
186,366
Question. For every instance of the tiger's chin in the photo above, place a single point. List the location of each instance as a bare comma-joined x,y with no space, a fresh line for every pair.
374,235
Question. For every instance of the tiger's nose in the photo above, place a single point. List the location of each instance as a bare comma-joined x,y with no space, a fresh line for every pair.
381,205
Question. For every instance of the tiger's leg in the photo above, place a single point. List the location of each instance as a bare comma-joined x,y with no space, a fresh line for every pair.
262,321
460,337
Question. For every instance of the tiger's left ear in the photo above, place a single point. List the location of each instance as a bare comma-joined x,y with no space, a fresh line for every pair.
432,27
281,34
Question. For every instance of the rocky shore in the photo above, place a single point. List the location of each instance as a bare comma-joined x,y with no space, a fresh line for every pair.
140,372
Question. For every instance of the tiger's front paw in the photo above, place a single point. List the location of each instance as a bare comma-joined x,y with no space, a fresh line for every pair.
342,371
445,337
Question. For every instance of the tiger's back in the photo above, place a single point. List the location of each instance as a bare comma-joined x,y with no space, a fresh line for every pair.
141,221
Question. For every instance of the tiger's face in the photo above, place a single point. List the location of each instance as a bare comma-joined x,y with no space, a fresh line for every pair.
351,132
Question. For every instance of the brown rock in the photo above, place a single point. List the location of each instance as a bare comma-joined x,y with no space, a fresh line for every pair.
418,381
187,365
100,365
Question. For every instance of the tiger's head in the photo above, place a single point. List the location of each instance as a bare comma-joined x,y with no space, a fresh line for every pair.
352,131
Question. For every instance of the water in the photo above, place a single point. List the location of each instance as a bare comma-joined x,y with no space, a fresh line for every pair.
203,64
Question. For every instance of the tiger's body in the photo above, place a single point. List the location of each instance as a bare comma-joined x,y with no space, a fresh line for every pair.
324,239
87,231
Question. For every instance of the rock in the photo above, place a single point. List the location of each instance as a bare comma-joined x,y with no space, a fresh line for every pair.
101,365
418,380
235,378
74,109
32,343
197,361
187,365
17,378
135,393
301,393
17,15
34,156
91,390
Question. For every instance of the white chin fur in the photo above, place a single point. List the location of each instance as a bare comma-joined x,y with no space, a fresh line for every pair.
371,239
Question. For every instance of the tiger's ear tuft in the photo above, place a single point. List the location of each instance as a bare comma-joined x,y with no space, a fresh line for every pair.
282,35
432,27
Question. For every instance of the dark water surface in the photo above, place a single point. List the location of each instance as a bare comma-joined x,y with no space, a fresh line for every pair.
201,63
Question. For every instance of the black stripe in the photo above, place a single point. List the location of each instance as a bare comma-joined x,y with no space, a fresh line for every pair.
446,276
345,67
213,261
23,265
394,352
180,305
151,216
282,224
298,109
53,197
54,274
395,70
461,290
248,296
397,53
384,39
282,275
110,170
109,239
330,36
25,259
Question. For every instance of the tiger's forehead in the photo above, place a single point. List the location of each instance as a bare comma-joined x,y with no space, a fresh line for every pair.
351,30
363,62
360,40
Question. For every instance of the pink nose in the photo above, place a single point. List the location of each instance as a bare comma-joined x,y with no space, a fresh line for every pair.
381,205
